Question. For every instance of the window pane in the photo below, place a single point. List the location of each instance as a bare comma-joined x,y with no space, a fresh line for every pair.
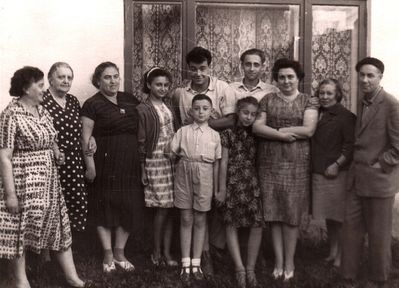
156,40
335,48
227,30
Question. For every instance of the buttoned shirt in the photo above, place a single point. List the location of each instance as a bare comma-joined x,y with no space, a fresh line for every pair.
221,94
197,142
259,91
368,100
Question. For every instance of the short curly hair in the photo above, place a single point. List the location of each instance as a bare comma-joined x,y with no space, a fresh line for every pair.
339,94
23,78
99,70
287,63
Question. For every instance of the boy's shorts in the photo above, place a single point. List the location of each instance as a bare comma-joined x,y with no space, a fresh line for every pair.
193,185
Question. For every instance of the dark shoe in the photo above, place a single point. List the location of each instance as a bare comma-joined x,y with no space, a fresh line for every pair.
251,279
185,275
240,279
207,264
197,273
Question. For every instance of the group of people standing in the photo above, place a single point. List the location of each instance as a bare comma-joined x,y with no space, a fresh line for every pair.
228,156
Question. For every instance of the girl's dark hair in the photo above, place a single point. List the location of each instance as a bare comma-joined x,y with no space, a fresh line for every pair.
23,78
246,101
339,94
57,65
151,74
287,63
99,70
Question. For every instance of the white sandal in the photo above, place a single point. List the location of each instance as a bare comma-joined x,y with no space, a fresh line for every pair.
125,265
108,268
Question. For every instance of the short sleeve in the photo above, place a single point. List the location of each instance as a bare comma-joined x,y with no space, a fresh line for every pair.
263,103
225,138
312,103
175,144
8,129
89,110
229,101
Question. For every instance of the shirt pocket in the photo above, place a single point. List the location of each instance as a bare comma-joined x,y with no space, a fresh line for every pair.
208,152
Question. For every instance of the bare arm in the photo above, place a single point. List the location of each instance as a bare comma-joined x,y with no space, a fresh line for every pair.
87,130
262,130
58,155
222,123
221,194
309,125
7,177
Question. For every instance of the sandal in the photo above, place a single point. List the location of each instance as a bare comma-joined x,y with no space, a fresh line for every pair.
156,261
108,268
125,265
169,262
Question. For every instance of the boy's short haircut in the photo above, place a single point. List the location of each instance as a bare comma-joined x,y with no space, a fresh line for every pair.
199,97
253,51
198,55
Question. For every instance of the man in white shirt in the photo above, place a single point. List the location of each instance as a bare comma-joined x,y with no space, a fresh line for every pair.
253,64
200,82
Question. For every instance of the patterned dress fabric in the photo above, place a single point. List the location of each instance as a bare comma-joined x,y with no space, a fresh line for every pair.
243,206
284,167
67,123
43,222
116,195
159,168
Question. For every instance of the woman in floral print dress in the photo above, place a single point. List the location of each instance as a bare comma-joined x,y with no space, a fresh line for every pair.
33,214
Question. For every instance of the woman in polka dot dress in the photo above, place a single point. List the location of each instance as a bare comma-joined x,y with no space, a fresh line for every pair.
65,110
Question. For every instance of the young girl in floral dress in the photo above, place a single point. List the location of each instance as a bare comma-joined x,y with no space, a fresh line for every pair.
156,129
239,191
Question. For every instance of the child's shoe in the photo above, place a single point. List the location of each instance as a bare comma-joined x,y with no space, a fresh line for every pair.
197,273
185,275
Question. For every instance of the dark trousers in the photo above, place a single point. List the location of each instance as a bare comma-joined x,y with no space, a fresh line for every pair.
372,216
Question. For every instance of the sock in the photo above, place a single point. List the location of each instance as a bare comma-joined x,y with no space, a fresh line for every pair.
119,254
185,262
196,264
108,256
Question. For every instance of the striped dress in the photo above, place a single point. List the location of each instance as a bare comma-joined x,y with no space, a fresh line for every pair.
159,169
116,195
43,222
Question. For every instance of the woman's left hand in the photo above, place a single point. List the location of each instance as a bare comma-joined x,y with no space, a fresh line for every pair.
60,158
332,171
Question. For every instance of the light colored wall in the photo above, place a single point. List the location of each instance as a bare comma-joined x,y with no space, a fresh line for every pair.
384,42
83,33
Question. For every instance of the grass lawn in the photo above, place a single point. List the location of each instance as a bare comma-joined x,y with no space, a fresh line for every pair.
311,270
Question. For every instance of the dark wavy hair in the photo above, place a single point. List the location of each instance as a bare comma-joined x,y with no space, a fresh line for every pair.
287,63
153,73
23,78
253,51
339,94
198,55
99,70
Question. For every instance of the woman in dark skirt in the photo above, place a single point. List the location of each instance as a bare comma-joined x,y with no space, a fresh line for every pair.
332,148
115,193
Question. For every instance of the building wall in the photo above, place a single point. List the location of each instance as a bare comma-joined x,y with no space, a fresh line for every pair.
83,33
